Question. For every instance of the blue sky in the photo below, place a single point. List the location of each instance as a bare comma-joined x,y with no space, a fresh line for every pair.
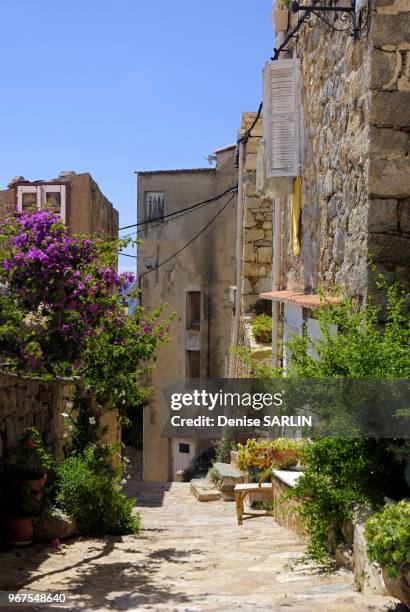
113,86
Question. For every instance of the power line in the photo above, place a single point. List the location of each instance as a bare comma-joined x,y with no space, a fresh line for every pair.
156,223
176,212
162,263
248,132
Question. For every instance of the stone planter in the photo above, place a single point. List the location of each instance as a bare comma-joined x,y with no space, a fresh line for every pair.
280,19
399,587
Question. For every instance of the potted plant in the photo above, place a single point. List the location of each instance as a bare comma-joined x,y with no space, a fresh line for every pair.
22,504
257,459
30,461
26,479
280,15
388,544
262,328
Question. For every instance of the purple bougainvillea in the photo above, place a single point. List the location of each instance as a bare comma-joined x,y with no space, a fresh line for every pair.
62,299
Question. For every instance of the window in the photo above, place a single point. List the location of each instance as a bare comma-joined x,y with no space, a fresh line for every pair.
193,364
183,448
154,205
50,196
193,310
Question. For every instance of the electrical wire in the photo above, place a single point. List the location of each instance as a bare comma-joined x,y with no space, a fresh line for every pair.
248,132
162,263
176,212
158,223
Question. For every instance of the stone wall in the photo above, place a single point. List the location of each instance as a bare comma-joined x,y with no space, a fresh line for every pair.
355,153
389,139
257,224
27,402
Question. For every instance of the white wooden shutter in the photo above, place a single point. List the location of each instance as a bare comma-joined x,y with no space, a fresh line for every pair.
281,117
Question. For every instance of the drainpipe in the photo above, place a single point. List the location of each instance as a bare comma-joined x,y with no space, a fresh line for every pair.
276,263
239,217
276,278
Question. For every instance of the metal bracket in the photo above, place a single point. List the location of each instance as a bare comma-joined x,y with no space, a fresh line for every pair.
296,6
314,8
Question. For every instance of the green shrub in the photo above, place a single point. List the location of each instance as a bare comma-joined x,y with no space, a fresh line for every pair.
340,474
223,447
93,497
388,537
262,328
267,454
30,460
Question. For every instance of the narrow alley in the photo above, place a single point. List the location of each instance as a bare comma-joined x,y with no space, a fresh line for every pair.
189,556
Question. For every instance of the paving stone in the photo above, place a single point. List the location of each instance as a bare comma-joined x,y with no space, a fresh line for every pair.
188,556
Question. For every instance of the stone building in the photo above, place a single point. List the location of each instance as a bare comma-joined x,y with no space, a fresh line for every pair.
353,136
77,197
26,402
195,285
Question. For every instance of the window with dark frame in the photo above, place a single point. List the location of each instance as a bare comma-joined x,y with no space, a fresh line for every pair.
154,205
193,364
194,310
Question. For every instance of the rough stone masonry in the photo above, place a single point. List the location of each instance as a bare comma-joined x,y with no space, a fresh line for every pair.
355,157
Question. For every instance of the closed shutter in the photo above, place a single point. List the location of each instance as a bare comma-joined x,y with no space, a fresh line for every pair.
281,107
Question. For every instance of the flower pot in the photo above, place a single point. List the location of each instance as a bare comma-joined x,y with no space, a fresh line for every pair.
19,530
280,20
285,458
38,484
399,587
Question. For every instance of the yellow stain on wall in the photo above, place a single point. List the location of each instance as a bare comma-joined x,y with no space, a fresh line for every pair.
295,212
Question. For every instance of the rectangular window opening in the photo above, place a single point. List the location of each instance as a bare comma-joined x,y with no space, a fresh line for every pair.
193,364
154,205
194,310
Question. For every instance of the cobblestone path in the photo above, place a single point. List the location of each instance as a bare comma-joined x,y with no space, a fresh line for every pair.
190,556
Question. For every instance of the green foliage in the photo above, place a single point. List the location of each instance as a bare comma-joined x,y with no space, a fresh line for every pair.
340,474
370,344
262,328
223,447
89,492
30,460
124,351
268,454
362,348
254,366
215,477
388,537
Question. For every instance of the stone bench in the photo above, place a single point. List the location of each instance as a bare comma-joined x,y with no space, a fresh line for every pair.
227,476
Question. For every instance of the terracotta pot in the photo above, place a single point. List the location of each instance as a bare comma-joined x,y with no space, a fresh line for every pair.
37,484
399,587
19,530
280,20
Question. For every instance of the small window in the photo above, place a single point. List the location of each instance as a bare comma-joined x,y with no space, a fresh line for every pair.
183,448
154,205
51,197
193,364
194,310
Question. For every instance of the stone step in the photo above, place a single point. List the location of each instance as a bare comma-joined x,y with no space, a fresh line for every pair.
204,490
